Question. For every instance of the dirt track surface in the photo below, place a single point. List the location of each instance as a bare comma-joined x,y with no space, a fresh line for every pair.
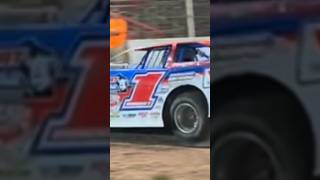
156,157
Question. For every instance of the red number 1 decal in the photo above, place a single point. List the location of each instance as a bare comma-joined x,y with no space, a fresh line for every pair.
142,97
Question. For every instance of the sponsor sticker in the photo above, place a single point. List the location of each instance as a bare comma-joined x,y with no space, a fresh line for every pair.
143,114
206,79
182,76
114,115
155,115
129,115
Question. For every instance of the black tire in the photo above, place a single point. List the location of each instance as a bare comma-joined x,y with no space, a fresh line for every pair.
188,116
251,143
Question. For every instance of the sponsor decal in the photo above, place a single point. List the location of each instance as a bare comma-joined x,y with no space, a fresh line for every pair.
160,100
143,114
119,84
206,79
129,115
155,114
162,89
115,102
182,76
114,115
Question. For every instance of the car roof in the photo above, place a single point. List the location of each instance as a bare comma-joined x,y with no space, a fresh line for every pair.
204,42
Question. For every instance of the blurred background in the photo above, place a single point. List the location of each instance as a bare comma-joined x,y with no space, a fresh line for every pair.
52,58
44,11
266,89
163,19
151,22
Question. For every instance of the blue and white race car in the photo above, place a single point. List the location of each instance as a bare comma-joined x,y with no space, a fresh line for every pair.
170,87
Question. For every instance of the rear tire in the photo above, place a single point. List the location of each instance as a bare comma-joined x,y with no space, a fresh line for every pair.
188,115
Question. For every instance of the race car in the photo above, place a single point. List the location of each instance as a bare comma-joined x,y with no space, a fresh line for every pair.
170,88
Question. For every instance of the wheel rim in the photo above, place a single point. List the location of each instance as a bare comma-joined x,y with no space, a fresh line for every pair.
244,156
186,118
